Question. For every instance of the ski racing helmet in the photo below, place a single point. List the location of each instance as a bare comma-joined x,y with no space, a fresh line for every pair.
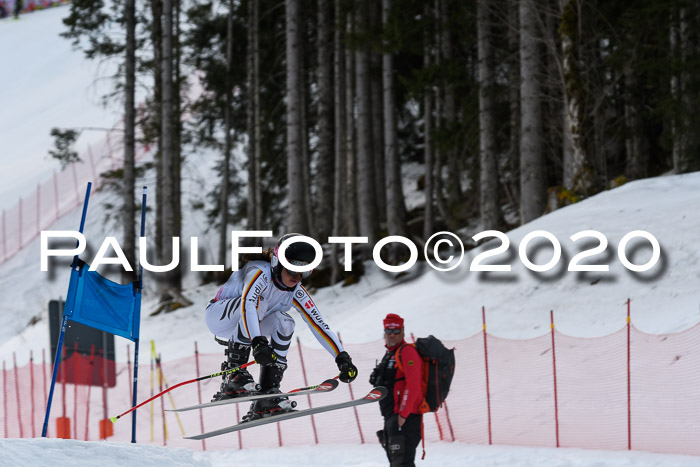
298,253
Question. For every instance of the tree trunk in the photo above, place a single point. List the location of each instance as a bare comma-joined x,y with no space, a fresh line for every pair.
225,176
324,216
636,153
340,142
167,144
257,125
676,151
129,141
513,176
439,156
350,173
376,100
453,186
396,211
427,131
680,49
365,167
578,175
176,283
304,128
686,163
296,212
532,169
488,188
250,116
157,40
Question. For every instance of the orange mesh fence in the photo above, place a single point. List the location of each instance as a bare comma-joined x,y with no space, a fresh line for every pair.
665,391
592,391
594,409
55,197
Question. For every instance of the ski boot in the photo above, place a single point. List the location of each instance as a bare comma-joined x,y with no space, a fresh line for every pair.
238,383
270,379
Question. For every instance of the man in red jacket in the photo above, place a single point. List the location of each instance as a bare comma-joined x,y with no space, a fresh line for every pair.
401,372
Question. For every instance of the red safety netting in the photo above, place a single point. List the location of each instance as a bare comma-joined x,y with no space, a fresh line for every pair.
55,197
600,401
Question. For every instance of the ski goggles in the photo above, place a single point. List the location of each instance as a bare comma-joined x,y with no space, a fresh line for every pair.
304,274
389,332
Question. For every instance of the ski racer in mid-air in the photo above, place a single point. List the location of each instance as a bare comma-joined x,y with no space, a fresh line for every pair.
251,311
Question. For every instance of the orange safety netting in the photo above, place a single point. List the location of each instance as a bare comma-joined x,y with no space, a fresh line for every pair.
594,407
55,197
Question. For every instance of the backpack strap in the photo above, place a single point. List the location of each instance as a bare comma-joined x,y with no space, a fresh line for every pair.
423,404
397,356
422,437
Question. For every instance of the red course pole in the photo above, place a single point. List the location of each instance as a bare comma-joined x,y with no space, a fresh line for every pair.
4,237
75,184
352,397
101,354
449,422
162,403
4,395
308,396
128,365
19,406
76,359
31,390
55,193
554,367
19,225
199,393
38,209
43,372
63,380
89,381
486,362
629,383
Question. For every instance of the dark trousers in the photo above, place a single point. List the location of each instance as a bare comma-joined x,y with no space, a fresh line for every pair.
400,445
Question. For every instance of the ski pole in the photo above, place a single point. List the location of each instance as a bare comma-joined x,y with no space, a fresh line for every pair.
225,372
309,387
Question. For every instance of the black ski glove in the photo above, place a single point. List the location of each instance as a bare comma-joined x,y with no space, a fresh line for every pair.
348,371
376,376
262,352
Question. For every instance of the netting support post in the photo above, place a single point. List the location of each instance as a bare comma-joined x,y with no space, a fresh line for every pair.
31,390
486,364
629,383
199,392
554,373
352,397
306,383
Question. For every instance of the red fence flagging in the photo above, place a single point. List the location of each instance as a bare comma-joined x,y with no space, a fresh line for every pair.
625,390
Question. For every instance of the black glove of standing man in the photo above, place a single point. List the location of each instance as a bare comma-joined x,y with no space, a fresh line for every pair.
348,371
262,352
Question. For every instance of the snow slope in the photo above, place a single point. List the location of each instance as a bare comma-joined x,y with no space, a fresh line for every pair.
45,84
63,453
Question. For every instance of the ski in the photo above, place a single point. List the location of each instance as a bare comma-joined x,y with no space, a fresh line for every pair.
375,395
326,386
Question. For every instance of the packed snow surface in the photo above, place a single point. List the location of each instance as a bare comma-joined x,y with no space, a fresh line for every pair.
63,453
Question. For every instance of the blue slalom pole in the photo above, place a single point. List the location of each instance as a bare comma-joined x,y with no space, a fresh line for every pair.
64,322
82,219
136,341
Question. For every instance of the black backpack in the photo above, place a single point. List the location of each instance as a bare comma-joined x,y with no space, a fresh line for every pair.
438,370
